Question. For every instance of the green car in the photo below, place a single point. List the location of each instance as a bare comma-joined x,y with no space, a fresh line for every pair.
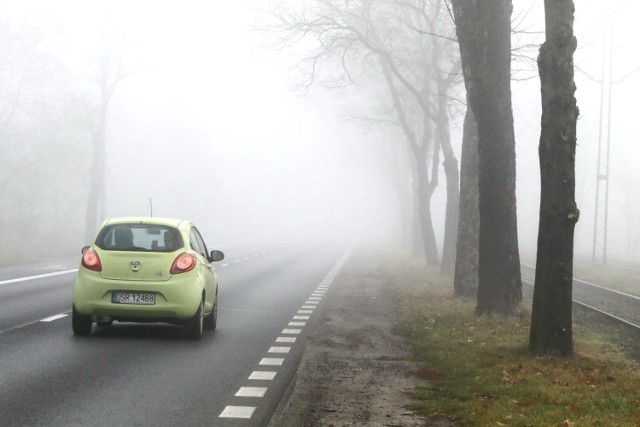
147,270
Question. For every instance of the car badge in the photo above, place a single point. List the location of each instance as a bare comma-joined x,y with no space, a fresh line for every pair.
135,265
159,273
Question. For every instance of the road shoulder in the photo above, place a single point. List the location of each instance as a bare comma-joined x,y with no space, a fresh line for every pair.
354,370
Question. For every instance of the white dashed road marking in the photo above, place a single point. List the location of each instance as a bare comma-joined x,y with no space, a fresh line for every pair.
309,306
271,361
251,392
279,350
238,412
262,375
56,317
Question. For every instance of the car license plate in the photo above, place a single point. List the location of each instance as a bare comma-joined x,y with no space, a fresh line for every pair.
133,298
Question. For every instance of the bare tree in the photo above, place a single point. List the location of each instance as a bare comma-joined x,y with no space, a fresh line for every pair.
433,99
483,30
445,70
107,71
551,328
413,67
425,179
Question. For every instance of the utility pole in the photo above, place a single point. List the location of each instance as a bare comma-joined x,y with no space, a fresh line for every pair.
607,82
602,179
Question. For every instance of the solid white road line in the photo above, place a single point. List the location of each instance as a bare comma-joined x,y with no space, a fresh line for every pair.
39,276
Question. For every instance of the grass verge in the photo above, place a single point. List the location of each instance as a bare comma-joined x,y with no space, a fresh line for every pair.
477,371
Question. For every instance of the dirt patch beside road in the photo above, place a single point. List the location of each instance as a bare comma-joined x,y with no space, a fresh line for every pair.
354,371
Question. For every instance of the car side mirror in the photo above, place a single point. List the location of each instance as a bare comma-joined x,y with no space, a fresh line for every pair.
216,256
85,249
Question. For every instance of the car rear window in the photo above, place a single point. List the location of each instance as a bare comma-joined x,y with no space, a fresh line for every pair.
139,237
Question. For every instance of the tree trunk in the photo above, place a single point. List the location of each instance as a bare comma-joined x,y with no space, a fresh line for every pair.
426,221
465,279
447,264
416,224
423,184
551,329
484,35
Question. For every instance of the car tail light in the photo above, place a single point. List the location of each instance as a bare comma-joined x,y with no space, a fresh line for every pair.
185,262
91,260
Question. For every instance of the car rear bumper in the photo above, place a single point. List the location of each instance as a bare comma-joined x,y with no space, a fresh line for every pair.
175,299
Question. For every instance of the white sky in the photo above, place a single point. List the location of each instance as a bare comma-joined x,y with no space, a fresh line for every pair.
200,76
592,19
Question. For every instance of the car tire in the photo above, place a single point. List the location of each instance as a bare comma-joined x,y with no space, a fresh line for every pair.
210,322
194,327
80,323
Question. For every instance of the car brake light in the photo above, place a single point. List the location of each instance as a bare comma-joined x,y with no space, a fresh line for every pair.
91,260
185,262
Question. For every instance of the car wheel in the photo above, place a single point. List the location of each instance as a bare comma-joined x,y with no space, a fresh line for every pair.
80,323
194,326
212,319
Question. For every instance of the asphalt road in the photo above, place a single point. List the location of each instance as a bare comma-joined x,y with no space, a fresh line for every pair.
150,374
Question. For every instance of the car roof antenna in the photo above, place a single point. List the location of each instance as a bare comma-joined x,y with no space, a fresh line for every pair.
151,206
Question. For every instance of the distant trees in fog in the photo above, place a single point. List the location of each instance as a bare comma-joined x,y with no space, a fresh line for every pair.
409,48
53,122
107,70
43,145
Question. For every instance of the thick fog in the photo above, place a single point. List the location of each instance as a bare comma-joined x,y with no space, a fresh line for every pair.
206,125
597,25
